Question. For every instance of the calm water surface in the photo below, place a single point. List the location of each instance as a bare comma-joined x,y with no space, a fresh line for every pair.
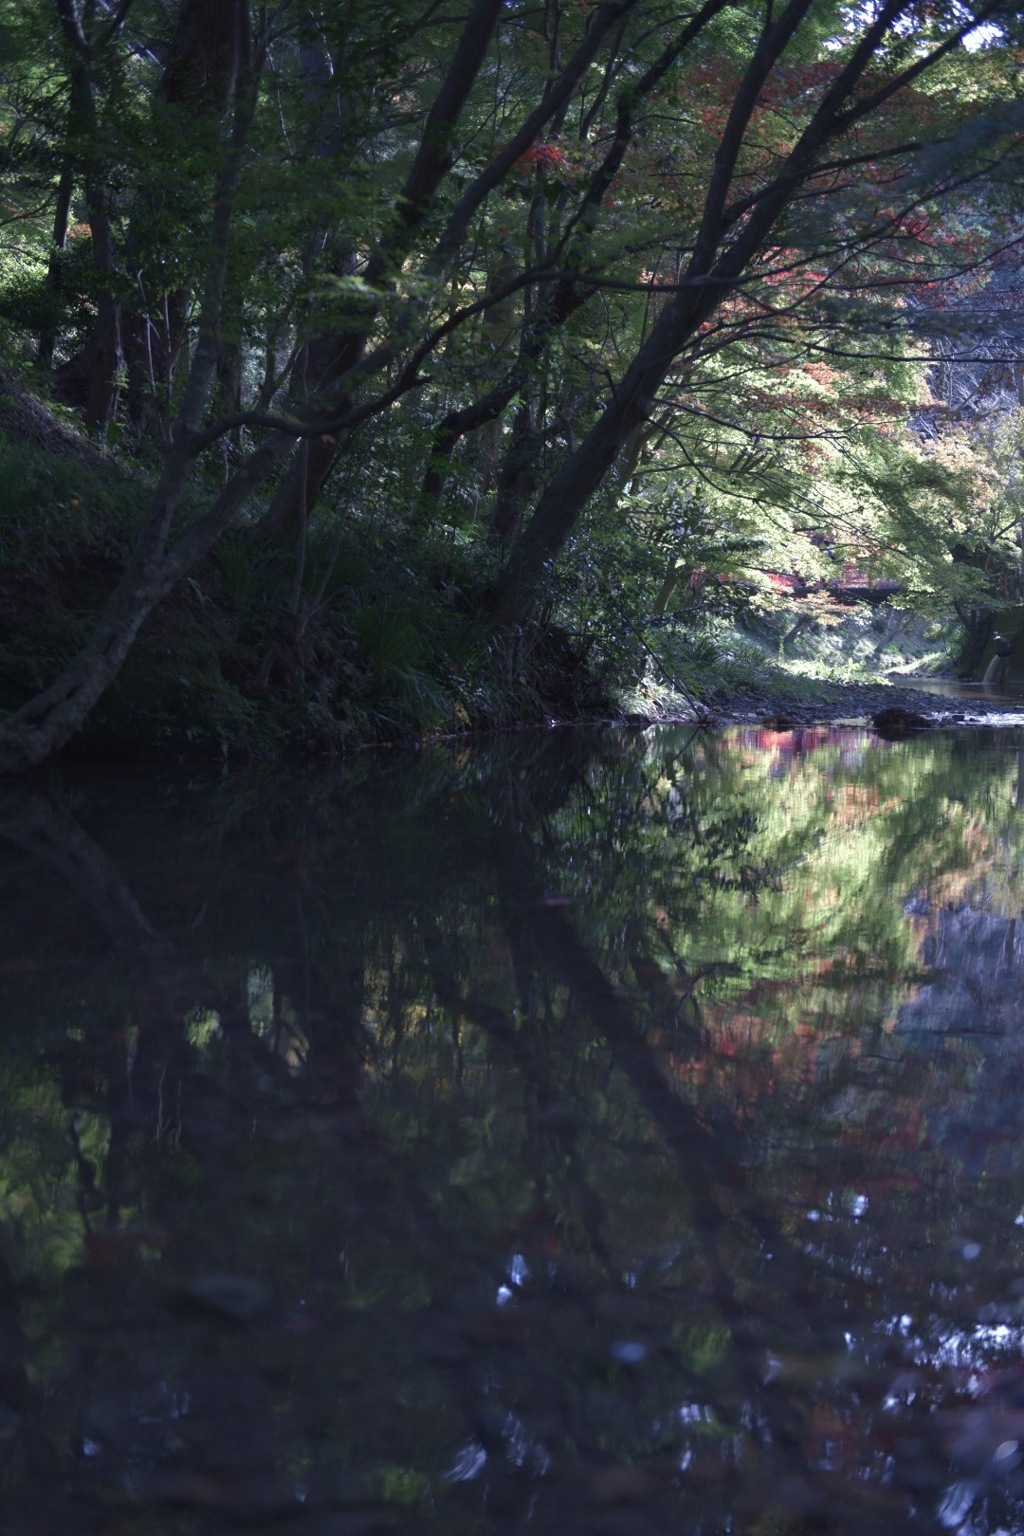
602,1133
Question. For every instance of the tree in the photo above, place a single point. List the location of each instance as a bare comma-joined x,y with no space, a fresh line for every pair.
733,247
532,231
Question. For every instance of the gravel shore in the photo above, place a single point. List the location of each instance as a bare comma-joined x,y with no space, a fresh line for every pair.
821,703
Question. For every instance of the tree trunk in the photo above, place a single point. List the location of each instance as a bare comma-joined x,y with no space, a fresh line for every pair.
98,371
325,361
54,272
978,624
560,505
457,424
518,477
196,83
105,357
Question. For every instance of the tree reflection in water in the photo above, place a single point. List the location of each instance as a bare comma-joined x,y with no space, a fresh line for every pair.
590,1133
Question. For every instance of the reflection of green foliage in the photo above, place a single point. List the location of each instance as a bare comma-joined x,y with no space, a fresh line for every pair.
704,1349
40,1193
202,1029
404,1485
791,872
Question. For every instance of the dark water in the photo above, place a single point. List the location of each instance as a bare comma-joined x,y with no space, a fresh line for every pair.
582,1134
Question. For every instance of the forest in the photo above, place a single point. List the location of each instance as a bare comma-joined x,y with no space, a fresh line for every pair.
380,370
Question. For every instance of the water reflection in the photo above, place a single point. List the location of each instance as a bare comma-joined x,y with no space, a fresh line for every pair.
588,1133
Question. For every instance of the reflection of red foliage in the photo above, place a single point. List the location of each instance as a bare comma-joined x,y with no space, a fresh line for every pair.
793,743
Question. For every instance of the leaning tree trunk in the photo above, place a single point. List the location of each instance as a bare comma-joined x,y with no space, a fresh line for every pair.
42,726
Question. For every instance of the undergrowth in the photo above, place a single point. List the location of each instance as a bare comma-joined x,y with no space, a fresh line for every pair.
364,636
53,507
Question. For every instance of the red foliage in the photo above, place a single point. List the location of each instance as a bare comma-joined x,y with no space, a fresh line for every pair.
545,157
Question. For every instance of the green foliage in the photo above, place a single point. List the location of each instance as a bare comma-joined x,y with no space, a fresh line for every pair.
25,305
252,573
390,640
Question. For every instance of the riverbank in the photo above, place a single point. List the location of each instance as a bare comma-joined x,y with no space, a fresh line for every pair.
239,663
822,702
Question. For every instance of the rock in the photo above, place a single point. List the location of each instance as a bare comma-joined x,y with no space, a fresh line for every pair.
895,724
239,1298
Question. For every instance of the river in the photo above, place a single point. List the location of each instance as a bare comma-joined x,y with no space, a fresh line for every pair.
603,1132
